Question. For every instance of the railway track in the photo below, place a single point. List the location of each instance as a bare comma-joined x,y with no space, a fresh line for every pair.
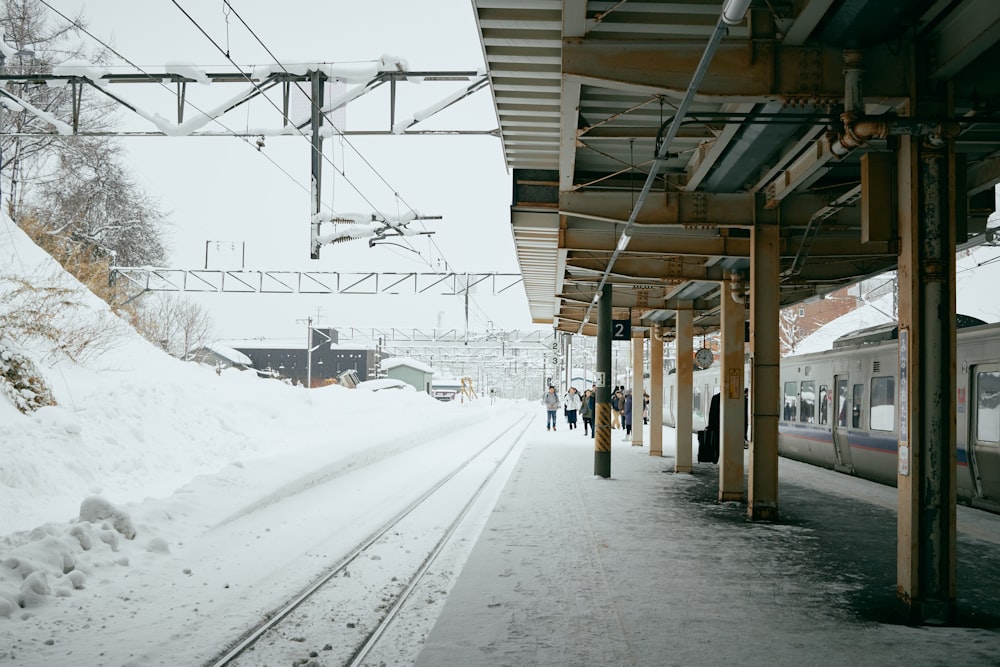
340,617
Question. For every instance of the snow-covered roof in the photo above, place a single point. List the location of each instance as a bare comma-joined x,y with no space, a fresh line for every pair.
383,383
406,361
229,353
287,344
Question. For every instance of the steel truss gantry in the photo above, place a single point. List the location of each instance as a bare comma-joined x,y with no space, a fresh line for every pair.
241,281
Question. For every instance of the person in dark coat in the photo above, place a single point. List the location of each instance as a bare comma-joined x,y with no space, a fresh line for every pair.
713,426
587,411
627,415
616,408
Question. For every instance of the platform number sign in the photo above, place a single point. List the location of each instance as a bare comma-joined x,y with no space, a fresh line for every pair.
621,329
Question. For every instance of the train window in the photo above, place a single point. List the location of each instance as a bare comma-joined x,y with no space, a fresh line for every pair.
696,406
807,401
883,404
790,402
988,406
824,404
842,394
856,396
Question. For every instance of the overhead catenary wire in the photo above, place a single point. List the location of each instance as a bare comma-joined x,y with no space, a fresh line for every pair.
301,133
225,127
228,130
317,106
344,139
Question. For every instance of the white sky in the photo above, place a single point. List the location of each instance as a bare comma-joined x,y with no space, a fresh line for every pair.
222,189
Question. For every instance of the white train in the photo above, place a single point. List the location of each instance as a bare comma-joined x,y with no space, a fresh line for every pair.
839,408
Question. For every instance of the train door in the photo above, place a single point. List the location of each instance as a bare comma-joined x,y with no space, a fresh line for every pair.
984,431
842,411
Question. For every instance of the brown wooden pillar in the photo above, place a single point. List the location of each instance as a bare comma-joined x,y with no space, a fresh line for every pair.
765,395
928,208
731,388
656,391
685,379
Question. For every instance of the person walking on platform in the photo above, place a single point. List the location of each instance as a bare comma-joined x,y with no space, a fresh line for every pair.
551,402
616,408
627,415
572,405
645,407
587,411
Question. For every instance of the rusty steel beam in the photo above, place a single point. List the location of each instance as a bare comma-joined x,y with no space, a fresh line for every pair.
741,71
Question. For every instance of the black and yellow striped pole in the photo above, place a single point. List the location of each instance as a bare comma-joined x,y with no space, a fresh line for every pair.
602,403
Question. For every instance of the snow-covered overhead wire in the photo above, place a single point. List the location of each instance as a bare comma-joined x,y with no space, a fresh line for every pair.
107,46
327,116
301,133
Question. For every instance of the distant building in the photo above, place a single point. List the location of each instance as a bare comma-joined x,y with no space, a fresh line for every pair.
446,389
798,322
414,373
287,359
220,356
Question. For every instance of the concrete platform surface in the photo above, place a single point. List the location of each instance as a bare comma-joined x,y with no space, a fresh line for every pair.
647,568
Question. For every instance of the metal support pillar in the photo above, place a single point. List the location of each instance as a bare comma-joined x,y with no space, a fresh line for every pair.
731,398
637,388
317,158
926,558
602,404
685,381
568,355
656,391
765,395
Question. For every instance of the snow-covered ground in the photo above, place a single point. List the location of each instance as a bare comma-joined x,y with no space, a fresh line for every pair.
159,507
157,498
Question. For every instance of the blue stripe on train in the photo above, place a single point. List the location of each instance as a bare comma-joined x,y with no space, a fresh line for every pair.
856,438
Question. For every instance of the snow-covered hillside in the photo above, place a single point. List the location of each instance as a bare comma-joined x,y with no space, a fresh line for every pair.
143,453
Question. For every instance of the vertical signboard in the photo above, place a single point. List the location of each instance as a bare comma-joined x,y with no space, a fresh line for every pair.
904,413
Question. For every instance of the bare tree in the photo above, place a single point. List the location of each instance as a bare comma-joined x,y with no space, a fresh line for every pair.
174,323
27,142
93,200
80,188
789,330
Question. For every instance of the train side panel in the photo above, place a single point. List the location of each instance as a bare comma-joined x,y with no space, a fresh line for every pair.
839,410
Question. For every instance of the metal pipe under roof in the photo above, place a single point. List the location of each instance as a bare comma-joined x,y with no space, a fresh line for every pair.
732,13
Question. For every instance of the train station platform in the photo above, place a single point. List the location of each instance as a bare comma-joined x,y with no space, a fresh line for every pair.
647,568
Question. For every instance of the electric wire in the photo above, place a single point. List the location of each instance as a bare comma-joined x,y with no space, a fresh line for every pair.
253,83
245,140
344,139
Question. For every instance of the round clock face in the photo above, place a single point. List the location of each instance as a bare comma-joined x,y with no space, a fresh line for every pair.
704,357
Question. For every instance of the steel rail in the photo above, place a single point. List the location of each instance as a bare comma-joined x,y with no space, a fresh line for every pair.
275,618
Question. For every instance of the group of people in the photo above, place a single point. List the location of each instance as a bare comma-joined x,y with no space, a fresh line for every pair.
582,407
575,406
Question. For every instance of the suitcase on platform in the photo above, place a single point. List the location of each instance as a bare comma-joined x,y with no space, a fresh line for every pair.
708,447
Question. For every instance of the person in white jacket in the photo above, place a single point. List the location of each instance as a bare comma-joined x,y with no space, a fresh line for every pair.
573,404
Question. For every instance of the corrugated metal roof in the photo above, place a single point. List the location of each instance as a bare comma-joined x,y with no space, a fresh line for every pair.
583,90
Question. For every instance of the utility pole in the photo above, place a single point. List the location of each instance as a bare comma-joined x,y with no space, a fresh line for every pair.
309,352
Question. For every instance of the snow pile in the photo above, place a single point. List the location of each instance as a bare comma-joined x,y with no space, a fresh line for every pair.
142,451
